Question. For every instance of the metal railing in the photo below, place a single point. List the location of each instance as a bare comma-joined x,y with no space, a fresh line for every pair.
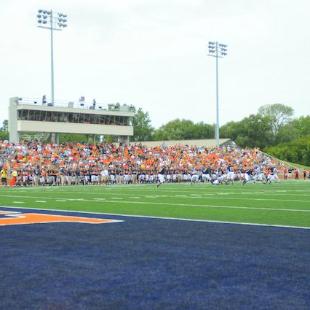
80,104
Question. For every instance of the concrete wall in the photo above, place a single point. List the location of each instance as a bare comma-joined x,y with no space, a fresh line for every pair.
58,127
12,125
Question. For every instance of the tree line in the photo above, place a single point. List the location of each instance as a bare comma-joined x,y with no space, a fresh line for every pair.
273,129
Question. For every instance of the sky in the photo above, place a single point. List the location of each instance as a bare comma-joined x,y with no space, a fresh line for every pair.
153,54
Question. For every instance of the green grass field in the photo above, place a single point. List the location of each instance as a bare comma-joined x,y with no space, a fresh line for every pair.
284,203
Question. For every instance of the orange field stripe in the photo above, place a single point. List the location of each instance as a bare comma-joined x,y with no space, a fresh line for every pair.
36,218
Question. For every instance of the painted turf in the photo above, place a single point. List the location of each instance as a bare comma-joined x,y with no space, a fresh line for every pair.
282,204
145,263
158,217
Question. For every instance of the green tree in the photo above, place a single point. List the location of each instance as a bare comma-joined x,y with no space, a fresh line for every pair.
287,133
175,130
302,125
142,128
67,137
5,125
296,151
257,132
230,130
4,134
293,130
252,131
278,113
203,131
184,130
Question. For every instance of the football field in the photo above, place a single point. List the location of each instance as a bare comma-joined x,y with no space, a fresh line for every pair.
179,246
283,204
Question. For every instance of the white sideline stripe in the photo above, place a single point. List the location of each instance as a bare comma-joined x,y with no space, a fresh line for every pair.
207,194
9,212
162,218
164,203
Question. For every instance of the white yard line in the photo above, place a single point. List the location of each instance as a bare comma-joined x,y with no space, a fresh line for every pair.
215,196
166,203
163,218
205,206
174,188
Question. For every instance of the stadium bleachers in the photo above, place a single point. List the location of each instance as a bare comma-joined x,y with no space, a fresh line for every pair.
74,163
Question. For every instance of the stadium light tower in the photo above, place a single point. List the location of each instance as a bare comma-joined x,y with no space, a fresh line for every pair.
217,50
52,21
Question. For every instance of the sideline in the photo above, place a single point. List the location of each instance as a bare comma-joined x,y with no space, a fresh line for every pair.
163,218
157,203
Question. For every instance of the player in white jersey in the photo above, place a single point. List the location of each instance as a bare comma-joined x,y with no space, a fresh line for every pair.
194,177
104,176
141,178
160,178
272,175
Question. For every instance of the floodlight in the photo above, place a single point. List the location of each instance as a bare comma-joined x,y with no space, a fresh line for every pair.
55,21
217,50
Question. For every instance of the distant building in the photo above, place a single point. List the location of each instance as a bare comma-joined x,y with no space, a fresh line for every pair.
28,116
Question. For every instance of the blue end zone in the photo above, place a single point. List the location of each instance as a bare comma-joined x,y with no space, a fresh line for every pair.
152,264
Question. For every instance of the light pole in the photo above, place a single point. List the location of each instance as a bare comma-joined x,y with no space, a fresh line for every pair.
217,50
52,21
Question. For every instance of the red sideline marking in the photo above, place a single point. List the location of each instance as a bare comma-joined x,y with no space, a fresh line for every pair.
13,218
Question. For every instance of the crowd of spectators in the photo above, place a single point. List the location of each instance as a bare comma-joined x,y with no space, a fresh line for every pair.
35,163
